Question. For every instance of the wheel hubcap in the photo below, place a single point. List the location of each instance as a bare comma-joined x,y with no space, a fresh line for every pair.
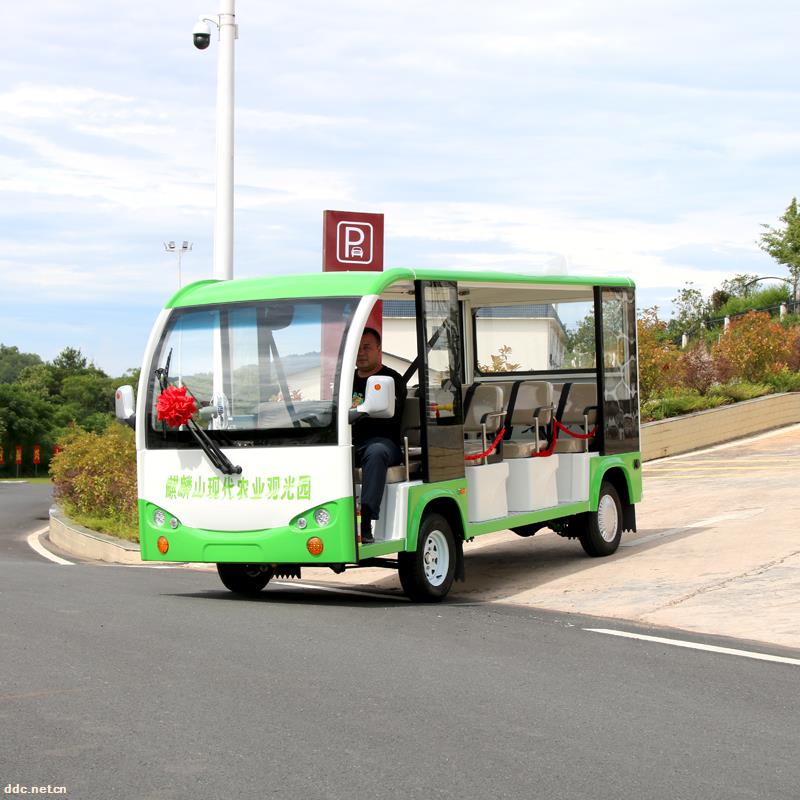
435,558
607,518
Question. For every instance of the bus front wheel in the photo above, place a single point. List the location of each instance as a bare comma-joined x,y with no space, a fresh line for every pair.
603,530
426,575
246,579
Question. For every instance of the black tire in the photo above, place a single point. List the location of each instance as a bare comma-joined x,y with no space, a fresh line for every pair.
603,529
426,575
245,579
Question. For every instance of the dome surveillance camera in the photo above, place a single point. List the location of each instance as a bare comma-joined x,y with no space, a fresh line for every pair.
201,34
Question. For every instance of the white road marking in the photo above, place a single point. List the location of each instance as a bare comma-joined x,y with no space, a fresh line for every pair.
711,648
36,545
744,513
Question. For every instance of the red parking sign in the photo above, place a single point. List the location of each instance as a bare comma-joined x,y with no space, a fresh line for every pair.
18,454
352,241
37,454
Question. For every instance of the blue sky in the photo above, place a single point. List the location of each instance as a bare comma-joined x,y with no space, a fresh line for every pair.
647,139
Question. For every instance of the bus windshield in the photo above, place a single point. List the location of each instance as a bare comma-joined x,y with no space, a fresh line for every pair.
261,373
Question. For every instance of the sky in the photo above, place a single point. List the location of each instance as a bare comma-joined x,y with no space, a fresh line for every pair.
646,139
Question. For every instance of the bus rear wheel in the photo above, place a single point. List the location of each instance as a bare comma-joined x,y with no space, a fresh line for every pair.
426,575
603,530
245,579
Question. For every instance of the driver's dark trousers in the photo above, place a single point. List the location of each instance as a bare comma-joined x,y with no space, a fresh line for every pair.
375,456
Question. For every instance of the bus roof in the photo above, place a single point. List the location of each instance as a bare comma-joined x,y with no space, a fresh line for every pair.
353,284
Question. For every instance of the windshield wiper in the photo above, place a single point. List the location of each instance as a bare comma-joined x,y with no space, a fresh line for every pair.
207,445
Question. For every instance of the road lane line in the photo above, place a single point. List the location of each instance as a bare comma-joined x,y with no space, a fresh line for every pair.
36,545
711,648
744,513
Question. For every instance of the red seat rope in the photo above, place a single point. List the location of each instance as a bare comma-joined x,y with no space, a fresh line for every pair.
492,447
559,427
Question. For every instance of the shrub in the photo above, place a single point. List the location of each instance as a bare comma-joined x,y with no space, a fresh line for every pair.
95,477
697,368
754,347
769,297
675,403
785,380
736,391
658,356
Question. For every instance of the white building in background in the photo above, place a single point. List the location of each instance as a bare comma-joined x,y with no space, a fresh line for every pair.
534,332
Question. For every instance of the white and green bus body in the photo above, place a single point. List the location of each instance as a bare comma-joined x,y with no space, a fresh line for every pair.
270,362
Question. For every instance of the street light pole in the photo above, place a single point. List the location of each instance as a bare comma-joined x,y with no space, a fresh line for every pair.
223,228
184,247
223,222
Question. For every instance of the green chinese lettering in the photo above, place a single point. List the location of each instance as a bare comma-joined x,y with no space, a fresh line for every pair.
273,487
304,487
199,488
288,488
185,488
258,489
213,488
227,488
242,486
172,486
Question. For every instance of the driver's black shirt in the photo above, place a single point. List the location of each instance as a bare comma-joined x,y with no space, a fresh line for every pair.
368,428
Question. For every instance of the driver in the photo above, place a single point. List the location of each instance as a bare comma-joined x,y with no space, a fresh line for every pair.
376,441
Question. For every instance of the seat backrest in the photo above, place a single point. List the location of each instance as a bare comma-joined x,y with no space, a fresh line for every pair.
486,399
582,396
410,422
533,397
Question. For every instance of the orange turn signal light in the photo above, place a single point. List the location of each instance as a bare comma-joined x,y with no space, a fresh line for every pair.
315,546
163,545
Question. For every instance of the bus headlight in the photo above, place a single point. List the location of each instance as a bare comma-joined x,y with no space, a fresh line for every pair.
159,518
322,517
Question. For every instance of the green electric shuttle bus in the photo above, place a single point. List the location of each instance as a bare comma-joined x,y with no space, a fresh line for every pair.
522,412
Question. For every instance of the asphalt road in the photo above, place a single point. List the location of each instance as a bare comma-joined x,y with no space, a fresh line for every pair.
155,683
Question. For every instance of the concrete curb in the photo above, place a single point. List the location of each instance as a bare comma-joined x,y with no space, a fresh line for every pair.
85,543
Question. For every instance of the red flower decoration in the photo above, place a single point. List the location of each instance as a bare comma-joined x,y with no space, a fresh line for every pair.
175,407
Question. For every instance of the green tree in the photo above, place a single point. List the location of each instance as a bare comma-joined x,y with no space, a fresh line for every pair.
12,363
739,284
25,419
690,310
580,344
783,243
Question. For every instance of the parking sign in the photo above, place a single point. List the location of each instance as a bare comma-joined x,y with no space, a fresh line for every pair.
352,241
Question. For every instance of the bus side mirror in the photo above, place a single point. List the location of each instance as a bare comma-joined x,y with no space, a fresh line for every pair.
124,405
378,400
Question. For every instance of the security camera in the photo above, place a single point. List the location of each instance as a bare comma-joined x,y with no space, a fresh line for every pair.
201,34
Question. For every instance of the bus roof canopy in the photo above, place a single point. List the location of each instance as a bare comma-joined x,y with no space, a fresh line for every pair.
353,284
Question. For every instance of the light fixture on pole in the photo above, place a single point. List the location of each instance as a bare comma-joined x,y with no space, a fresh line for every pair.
223,224
180,249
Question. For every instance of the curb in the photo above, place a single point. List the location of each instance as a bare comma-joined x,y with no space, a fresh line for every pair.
80,541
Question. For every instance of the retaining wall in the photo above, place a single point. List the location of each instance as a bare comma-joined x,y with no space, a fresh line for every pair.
669,437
